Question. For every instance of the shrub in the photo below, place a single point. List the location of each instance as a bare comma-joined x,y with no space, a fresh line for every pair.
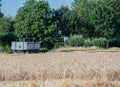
43,50
100,42
6,49
7,38
1,49
115,42
76,41
57,45
88,43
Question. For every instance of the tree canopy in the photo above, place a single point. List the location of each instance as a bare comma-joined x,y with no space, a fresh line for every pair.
34,21
97,17
5,25
1,14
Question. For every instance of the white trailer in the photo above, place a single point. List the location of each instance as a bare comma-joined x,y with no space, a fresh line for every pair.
25,46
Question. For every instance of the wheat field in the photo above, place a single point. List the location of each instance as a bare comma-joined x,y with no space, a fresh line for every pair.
61,69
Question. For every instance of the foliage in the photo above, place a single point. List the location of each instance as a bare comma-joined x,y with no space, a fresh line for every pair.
5,25
115,42
76,24
57,45
34,21
62,18
6,49
7,38
1,14
98,18
115,6
1,49
11,21
80,9
100,42
76,41
88,43
89,18
0,4
43,50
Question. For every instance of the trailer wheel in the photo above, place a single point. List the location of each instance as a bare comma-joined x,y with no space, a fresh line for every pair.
36,51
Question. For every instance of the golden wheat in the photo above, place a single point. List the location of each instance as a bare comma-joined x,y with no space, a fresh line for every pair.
83,65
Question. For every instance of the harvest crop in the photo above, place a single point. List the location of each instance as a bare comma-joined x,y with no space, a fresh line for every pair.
60,67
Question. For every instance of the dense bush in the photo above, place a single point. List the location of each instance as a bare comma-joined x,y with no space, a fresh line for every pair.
76,41
7,38
115,42
43,50
6,49
100,42
5,42
1,49
88,43
57,45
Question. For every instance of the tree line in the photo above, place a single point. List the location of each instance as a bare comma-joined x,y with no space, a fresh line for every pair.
37,21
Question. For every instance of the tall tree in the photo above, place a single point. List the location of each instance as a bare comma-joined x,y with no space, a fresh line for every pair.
82,10
5,25
114,5
75,24
62,18
98,18
1,14
34,21
0,5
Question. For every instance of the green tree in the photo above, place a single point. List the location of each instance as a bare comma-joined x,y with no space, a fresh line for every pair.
114,5
7,38
105,25
78,25
34,21
82,10
0,5
62,19
11,20
1,14
98,19
5,25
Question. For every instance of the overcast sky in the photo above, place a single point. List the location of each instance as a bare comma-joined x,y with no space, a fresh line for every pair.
10,7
